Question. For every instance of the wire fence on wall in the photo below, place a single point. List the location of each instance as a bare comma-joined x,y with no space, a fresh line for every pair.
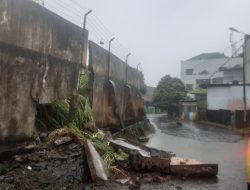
73,11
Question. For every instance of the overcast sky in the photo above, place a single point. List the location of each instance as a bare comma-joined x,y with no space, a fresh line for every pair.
161,33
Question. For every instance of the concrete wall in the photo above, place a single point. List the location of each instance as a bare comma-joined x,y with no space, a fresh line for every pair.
229,97
41,55
113,101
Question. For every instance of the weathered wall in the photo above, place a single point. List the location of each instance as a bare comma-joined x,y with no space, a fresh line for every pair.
112,98
41,55
227,97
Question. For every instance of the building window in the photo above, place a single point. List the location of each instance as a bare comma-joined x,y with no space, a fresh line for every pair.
189,87
218,80
189,71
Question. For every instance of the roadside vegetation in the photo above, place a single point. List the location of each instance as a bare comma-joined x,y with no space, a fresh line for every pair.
168,93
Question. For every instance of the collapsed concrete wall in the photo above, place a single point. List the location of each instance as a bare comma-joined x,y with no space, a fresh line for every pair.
41,56
113,100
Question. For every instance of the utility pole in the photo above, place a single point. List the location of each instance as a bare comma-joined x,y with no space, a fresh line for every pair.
138,76
127,68
246,36
244,83
85,18
109,58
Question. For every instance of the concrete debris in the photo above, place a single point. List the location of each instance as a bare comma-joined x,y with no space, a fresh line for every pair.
96,165
43,136
63,140
127,147
152,164
192,168
143,158
160,179
123,181
153,151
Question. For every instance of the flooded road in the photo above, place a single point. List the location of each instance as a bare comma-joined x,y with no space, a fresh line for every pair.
208,144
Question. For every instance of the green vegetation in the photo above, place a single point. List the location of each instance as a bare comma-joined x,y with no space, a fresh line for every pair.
199,91
55,117
202,105
169,92
137,131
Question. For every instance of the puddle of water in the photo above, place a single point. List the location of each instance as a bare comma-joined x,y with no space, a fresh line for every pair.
208,144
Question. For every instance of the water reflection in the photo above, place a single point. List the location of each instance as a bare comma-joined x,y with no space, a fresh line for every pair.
206,143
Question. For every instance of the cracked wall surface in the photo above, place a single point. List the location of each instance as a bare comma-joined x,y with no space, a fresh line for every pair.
113,100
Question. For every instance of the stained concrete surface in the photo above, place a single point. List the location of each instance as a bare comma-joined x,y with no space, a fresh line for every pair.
205,143
41,55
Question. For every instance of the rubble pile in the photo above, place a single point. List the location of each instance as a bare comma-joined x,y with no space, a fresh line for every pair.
73,159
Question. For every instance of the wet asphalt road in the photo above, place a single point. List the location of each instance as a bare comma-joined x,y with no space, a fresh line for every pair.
206,143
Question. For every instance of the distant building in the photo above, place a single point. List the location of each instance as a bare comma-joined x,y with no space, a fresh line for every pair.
200,70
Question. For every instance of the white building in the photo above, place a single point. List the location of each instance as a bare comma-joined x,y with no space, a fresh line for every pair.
209,68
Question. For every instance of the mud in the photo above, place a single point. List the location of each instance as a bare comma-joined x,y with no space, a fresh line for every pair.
62,168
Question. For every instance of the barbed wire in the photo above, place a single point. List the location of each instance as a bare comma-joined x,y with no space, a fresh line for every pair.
74,11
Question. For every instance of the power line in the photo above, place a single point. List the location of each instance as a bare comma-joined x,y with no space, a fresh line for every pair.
97,30
226,61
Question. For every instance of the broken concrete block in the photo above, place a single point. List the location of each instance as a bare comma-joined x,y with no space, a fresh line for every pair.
151,164
63,140
123,181
97,168
192,168
127,147
153,151
141,160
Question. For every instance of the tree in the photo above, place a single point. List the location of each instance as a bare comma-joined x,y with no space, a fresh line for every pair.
168,93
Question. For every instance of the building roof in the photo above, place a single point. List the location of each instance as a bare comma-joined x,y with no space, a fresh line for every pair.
204,56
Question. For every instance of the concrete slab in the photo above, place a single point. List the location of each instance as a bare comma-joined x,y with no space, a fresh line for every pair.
149,164
141,160
127,147
192,168
97,168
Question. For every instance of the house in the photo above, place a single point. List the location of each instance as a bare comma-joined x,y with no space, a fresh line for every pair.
210,68
225,104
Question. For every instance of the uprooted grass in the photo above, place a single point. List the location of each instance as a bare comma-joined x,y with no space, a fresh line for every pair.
137,131
55,117
79,136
